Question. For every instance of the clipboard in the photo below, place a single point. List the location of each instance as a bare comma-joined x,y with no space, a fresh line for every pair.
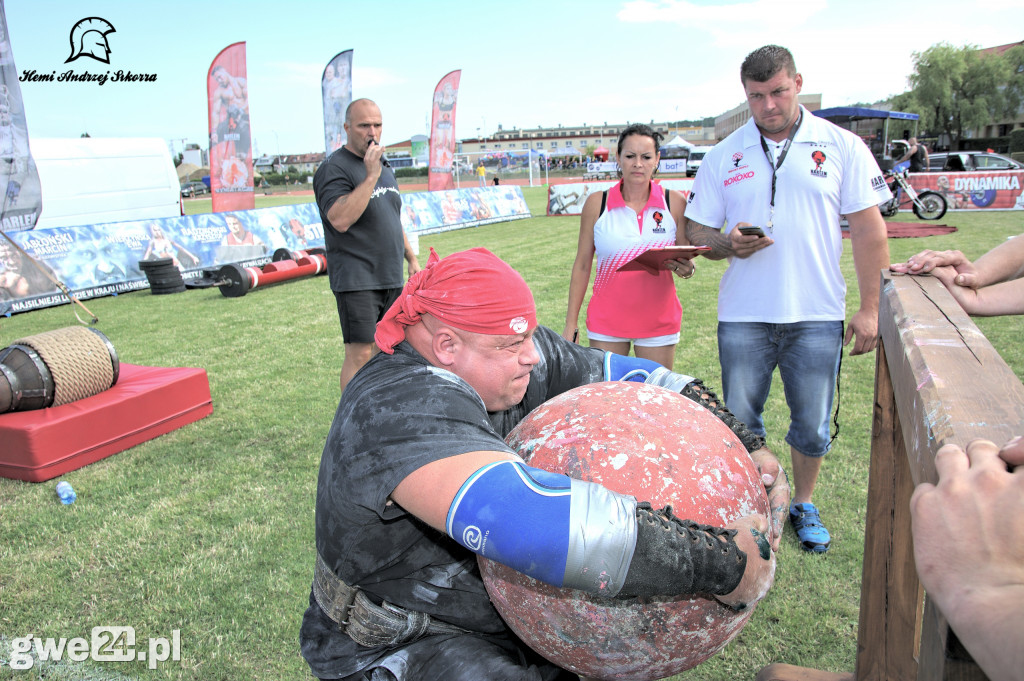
651,259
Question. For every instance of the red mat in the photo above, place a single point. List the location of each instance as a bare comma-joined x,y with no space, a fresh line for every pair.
146,402
899,230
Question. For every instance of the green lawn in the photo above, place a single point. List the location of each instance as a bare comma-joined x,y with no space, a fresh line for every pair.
209,529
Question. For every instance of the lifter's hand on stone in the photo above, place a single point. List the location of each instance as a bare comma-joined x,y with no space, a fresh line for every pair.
752,539
776,486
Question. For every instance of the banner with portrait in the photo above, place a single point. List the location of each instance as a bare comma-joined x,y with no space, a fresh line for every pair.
442,133
22,200
989,190
336,85
230,138
103,259
432,212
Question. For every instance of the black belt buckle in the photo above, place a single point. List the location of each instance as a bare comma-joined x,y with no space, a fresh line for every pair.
333,595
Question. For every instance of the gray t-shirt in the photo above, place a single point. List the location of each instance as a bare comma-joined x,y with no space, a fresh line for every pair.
369,255
398,414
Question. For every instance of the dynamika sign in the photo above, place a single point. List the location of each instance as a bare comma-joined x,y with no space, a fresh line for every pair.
88,39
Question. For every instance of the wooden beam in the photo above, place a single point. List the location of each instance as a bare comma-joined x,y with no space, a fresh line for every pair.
938,381
890,589
950,384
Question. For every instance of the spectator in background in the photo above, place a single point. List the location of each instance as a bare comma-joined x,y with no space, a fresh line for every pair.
360,208
782,300
632,308
481,174
994,285
917,154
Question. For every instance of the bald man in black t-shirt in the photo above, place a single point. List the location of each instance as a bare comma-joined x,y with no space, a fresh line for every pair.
360,209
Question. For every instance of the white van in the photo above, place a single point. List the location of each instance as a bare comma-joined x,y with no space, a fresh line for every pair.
91,180
694,160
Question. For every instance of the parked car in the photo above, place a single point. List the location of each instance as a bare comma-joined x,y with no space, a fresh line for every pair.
194,189
970,160
695,159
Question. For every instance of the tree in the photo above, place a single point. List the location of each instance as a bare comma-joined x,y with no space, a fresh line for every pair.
955,89
1014,58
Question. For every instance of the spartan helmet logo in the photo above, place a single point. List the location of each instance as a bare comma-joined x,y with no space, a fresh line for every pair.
89,39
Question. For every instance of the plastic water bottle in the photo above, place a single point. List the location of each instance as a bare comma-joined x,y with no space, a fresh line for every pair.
65,492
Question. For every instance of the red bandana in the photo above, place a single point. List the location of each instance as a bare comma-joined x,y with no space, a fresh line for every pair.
471,290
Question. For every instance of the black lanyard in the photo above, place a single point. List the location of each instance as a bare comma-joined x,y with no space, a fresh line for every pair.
778,164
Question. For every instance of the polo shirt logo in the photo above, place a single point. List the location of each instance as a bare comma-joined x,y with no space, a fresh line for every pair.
819,159
658,217
737,178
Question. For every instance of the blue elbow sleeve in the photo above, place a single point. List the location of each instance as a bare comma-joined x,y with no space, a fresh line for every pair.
623,368
564,532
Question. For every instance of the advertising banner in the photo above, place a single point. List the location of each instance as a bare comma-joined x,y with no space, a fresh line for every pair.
602,167
101,260
609,168
22,200
568,199
432,212
336,84
990,190
230,138
442,133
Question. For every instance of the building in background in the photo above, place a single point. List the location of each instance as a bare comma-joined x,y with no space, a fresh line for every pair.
574,140
195,155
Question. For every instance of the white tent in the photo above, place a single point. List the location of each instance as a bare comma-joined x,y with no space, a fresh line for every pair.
677,141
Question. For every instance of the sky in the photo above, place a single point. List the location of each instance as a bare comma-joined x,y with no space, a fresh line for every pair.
525,63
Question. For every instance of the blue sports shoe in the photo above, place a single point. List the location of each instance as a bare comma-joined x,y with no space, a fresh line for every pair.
807,523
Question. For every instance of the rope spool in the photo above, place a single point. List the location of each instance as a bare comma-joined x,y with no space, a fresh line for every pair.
56,367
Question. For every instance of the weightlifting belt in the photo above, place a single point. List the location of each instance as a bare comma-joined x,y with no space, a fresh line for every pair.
366,623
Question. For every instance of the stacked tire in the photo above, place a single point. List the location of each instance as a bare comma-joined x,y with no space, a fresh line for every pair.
163,276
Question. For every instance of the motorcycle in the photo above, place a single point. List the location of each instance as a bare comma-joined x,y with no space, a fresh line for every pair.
927,205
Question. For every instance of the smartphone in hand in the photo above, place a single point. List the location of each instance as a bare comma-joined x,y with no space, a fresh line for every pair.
751,230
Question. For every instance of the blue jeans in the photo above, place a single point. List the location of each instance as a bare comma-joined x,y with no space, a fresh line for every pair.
807,354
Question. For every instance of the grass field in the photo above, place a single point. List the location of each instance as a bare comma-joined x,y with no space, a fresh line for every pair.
209,529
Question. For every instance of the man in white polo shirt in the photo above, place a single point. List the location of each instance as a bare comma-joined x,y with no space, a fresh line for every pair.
782,300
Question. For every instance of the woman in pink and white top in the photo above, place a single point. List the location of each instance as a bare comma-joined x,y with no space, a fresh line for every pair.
634,306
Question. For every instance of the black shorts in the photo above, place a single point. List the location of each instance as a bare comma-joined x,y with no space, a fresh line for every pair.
359,312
